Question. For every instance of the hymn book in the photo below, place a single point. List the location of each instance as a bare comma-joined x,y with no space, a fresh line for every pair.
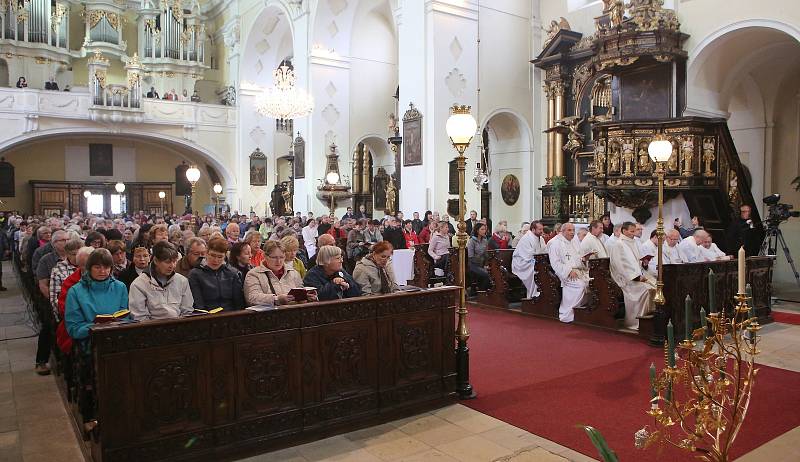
212,311
116,316
300,294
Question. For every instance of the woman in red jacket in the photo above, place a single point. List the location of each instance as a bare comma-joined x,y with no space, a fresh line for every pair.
411,237
500,238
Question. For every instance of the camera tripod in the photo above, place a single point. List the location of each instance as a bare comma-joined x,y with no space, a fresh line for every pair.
773,237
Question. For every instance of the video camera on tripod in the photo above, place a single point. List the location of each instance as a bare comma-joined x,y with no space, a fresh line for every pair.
777,212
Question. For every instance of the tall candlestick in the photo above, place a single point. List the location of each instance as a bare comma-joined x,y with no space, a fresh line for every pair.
712,292
687,319
742,257
703,323
652,381
671,344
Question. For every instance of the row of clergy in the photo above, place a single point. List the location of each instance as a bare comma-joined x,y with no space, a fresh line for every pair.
632,264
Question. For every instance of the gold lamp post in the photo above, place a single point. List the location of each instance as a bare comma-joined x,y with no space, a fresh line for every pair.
217,191
162,195
193,175
660,149
461,127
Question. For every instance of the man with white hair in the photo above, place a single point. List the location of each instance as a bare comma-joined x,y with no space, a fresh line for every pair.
566,261
688,246
669,251
591,245
708,250
582,232
522,263
626,270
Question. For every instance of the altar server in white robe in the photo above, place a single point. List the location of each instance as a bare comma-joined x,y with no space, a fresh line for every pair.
708,251
636,284
650,248
688,246
522,262
592,244
614,237
669,251
567,262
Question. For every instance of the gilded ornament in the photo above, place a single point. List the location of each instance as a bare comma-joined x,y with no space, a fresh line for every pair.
614,157
644,158
555,27
708,156
600,158
672,162
687,154
628,156
615,9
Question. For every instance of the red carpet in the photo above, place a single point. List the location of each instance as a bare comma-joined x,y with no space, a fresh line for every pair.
546,378
786,318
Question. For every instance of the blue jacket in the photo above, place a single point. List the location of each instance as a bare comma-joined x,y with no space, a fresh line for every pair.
88,298
326,289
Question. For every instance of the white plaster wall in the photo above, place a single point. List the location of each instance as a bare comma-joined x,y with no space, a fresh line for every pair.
76,165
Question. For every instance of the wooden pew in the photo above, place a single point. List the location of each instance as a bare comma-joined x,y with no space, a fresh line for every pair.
605,297
506,286
423,268
549,286
692,279
207,387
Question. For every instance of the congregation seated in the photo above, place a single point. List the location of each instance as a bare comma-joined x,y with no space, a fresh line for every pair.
141,260
239,258
196,249
567,263
427,232
374,273
98,292
627,272
270,282
253,238
410,235
329,278
214,283
591,244
357,245
522,261
159,292
290,248
393,234
322,240
477,246
63,340
119,255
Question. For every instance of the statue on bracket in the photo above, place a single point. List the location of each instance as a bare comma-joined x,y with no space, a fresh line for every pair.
644,158
687,154
391,197
600,157
628,157
708,156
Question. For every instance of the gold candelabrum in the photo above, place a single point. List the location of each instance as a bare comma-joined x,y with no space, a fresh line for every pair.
700,399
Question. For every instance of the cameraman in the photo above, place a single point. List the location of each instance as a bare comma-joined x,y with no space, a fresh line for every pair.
744,232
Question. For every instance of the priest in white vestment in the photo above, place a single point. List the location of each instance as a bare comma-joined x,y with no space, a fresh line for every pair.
636,284
688,246
614,237
592,245
650,248
567,262
522,263
310,235
708,251
670,253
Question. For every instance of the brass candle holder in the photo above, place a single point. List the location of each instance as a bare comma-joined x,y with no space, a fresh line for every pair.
700,403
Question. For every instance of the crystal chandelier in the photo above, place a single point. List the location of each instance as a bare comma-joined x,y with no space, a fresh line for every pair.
284,100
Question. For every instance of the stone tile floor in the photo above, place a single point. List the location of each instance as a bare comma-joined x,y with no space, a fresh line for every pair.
34,425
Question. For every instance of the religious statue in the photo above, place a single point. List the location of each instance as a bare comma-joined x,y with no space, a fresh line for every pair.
672,162
287,197
600,158
687,154
574,136
394,130
644,159
556,26
615,9
708,156
628,157
391,196
277,203
613,159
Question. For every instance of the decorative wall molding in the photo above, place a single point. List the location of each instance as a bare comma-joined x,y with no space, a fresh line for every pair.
455,82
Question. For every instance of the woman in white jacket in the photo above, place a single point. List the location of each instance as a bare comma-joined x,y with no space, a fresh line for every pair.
270,282
159,292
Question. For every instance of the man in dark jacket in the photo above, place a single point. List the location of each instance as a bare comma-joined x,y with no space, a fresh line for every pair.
394,234
743,232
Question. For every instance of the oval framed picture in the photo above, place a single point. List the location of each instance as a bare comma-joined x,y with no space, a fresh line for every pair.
509,189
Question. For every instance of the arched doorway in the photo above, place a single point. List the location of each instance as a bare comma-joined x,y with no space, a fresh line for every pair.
747,72
507,146
372,165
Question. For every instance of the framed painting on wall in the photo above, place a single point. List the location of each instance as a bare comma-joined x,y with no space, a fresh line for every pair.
101,159
258,168
412,137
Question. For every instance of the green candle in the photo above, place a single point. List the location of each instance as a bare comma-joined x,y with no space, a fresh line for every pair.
749,291
703,323
671,344
652,381
712,292
687,318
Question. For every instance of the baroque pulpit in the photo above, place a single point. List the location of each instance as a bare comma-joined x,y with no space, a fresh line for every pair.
608,94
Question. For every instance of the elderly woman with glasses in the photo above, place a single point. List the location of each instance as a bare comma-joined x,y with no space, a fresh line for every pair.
328,276
270,282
